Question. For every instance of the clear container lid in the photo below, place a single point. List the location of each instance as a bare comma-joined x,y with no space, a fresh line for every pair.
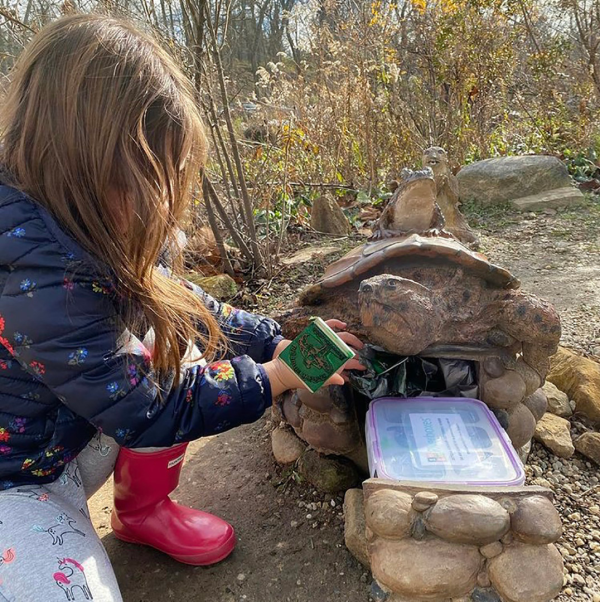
442,440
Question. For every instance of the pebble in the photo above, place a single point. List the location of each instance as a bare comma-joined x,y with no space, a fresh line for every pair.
595,510
241,577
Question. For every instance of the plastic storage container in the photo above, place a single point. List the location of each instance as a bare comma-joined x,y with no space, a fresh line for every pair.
440,440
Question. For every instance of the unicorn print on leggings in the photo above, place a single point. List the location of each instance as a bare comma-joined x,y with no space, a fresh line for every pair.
71,579
7,556
65,525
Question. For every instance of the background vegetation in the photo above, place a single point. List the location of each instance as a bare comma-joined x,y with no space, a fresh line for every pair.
303,96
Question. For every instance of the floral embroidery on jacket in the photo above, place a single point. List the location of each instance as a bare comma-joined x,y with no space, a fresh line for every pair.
22,340
18,232
78,356
17,424
223,399
115,390
222,371
27,286
38,368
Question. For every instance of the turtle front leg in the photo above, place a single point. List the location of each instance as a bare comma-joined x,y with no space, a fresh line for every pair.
383,234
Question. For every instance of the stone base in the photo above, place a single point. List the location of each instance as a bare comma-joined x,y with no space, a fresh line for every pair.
460,544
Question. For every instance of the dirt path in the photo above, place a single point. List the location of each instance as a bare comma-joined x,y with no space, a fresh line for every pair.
290,539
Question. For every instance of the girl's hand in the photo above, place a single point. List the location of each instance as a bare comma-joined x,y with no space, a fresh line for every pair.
283,379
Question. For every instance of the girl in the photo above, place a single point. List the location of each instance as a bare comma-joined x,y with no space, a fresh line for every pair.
100,141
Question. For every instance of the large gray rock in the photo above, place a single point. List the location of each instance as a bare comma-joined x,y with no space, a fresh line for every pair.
509,178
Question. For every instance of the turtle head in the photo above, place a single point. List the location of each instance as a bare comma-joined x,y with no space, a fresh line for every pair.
398,313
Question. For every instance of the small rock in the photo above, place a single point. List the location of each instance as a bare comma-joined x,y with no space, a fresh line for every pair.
287,446
558,402
221,286
589,445
595,510
492,549
424,500
241,577
554,432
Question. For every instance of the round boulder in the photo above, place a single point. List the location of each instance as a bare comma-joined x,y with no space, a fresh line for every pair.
521,425
524,573
536,521
468,519
431,569
389,513
504,392
536,403
287,447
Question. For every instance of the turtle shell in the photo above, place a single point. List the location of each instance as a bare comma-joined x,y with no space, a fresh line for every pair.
408,250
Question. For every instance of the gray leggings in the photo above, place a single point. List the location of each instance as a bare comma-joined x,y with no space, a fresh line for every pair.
49,549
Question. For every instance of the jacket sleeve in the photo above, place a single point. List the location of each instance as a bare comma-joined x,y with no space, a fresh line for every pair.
64,330
248,334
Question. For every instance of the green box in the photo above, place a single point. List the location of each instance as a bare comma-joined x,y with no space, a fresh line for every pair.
316,354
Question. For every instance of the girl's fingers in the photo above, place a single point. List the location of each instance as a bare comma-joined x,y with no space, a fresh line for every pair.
351,340
336,324
354,365
336,379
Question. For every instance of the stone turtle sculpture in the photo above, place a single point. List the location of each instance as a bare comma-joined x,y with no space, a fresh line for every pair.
426,294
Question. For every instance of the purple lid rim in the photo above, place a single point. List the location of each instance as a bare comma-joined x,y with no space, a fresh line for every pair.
510,450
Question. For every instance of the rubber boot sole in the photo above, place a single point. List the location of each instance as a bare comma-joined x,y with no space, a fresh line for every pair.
216,556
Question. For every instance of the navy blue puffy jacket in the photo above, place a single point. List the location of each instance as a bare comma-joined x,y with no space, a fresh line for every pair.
63,370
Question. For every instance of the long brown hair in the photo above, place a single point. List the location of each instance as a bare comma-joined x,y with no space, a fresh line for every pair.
100,126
